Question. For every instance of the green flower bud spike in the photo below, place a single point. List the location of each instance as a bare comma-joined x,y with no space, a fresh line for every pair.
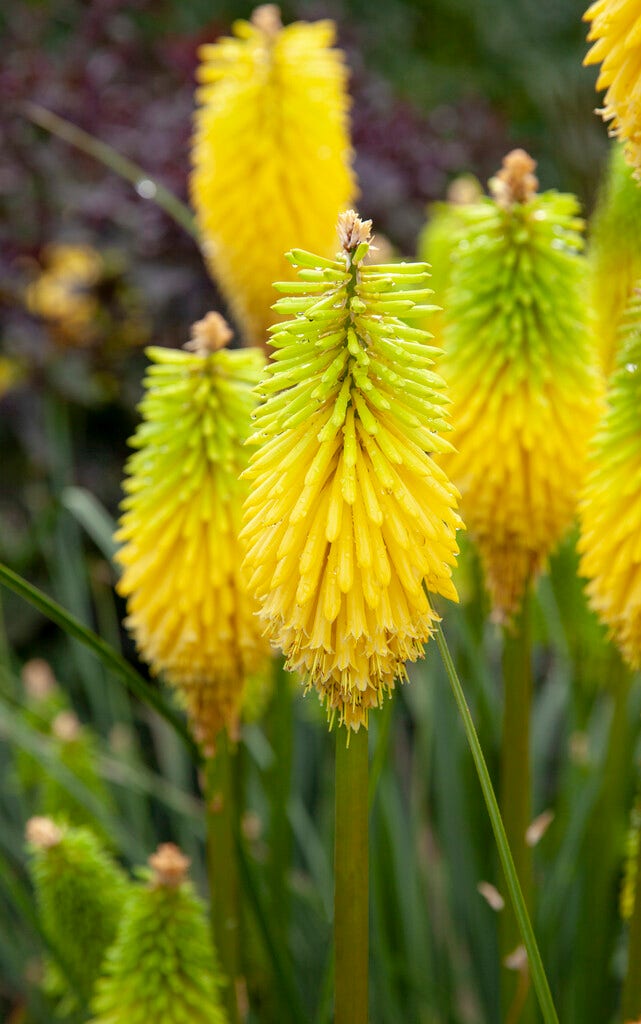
161,968
80,893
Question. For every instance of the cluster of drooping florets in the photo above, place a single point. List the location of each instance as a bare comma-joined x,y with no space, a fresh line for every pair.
188,603
271,155
348,517
610,509
614,254
521,373
615,31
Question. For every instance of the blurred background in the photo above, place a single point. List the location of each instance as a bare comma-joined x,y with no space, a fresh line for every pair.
91,270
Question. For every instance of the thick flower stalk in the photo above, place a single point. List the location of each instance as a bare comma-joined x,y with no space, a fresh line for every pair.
188,604
610,508
348,518
614,253
271,156
80,893
162,965
523,378
615,32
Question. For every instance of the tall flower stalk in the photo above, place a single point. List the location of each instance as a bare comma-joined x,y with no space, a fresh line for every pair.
348,518
525,393
271,155
188,601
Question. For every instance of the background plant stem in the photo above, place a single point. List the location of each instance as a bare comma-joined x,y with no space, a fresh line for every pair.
597,927
351,879
222,870
516,793
281,724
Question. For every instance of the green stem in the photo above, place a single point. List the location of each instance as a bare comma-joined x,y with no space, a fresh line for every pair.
280,779
351,880
516,793
632,986
222,870
527,934
594,989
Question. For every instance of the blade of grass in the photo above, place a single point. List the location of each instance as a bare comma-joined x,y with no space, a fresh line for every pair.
18,894
537,970
516,791
106,655
24,737
115,161
93,517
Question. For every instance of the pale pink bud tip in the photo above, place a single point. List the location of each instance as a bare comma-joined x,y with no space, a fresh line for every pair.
43,833
169,865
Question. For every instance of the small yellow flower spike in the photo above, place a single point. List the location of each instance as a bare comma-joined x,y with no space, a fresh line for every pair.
63,292
188,602
616,33
610,509
271,156
522,375
348,517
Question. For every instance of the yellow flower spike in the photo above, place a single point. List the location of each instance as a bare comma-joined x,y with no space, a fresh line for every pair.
615,31
348,517
614,253
188,603
610,508
522,375
271,156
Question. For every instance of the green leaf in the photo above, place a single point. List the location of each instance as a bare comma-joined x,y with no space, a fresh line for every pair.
113,661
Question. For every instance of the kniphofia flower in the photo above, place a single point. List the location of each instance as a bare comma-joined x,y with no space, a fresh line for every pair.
615,31
188,603
80,892
610,508
522,375
614,253
348,517
271,155
162,966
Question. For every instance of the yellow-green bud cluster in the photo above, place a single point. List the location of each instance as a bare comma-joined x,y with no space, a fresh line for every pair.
188,604
610,509
162,966
522,375
80,893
